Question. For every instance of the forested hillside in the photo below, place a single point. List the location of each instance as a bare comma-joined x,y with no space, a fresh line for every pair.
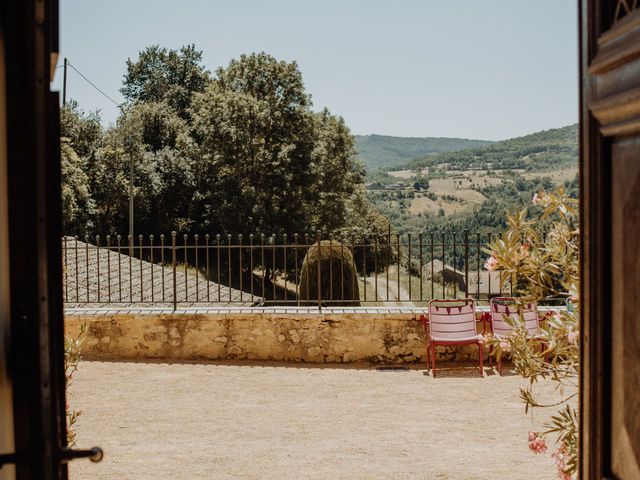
384,151
474,189
538,151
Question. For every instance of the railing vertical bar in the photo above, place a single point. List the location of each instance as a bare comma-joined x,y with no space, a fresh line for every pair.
119,238
195,238
140,239
98,265
431,273
218,265
409,262
173,268
86,258
284,263
455,265
319,292
375,268
444,262
273,265
466,263
488,274
295,265
478,266
421,265
330,268
398,265
162,262
388,257
77,272
364,266
264,267
109,267
185,237
306,254
229,265
152,267
130,239
342,241
251,264
354,277
206,249
240,265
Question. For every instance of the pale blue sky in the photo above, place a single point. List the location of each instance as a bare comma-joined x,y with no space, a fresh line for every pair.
489,69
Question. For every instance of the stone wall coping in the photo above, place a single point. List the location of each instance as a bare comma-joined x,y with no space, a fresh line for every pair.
208,310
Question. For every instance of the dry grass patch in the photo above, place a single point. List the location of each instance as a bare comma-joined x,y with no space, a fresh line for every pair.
557,176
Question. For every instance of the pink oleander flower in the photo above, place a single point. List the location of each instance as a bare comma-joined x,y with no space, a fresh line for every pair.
572,337
540,198
537,443
491,263
560,459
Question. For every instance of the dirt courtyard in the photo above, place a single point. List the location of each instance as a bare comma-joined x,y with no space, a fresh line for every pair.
163,421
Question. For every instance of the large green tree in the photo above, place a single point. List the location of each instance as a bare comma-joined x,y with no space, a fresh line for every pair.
242,152
81,137
165,75
156,140
266,162
78,205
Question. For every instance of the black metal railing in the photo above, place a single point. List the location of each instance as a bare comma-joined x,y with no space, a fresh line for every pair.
254,270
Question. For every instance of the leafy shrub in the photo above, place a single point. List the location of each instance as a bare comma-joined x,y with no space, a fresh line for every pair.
72,358
544,268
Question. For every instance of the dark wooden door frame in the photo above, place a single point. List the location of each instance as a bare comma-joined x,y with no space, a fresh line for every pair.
593,223
610,112
36,351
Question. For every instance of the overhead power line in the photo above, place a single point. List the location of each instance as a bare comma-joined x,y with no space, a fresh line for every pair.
91,83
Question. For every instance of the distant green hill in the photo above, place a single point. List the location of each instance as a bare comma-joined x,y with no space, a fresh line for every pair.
384,151
548,149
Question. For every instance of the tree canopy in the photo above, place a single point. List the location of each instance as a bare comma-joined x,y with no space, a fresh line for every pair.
240,151
160,74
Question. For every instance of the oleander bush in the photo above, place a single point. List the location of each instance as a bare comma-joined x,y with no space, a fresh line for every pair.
539,253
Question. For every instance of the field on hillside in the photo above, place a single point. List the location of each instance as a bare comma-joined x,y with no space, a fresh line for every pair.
458,192
422,204
557,176
404,174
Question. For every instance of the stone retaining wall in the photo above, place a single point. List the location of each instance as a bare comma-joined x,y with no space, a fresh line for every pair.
293,337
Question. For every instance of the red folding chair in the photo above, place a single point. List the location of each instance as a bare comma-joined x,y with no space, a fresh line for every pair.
451,322
502,307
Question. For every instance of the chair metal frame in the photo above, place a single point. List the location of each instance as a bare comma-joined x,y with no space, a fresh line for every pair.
497,317
431,329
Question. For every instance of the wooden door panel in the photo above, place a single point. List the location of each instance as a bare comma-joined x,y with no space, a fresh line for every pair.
610,222
625,308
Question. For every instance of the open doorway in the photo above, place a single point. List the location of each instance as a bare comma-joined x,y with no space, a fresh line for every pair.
596,461
217,151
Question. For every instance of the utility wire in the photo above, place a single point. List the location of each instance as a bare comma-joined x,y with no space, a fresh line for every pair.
90,83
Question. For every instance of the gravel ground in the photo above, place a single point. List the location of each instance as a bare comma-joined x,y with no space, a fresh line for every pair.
223,421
